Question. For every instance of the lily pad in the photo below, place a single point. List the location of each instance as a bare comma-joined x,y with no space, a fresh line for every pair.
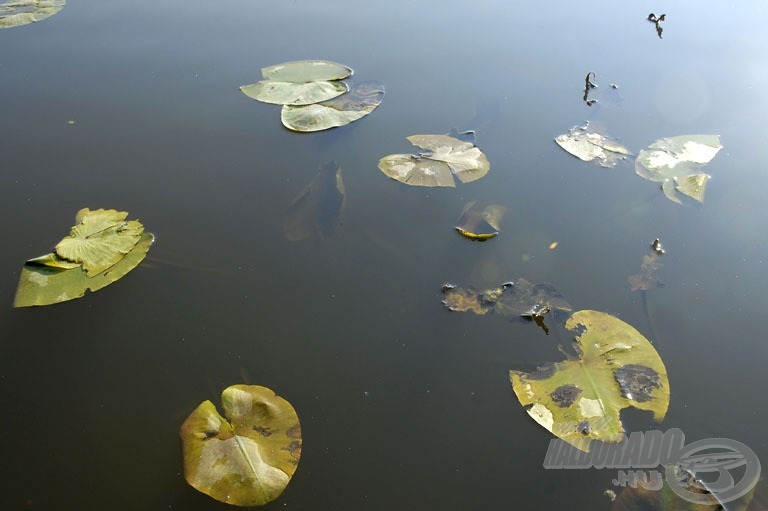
100,239
102,248
14,13
302,71
446,155
361,100
480,225
587,144
248,456
676,163
288,93
518,298
579,399
316,211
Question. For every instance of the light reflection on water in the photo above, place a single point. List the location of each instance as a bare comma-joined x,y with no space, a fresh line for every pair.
95,389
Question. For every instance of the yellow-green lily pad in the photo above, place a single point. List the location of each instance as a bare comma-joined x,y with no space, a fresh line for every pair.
102,248
248,456
579,399
14,13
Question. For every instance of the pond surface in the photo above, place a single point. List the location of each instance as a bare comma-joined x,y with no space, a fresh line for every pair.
403,404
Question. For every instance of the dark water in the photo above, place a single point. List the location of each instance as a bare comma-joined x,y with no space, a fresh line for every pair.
403,404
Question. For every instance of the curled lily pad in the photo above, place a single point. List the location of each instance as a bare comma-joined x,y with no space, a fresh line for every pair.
99,250
676,163
288,93
302,71
480,225
100,239
317,210
248,456
14,13
361,100
446,155
579,399
587,144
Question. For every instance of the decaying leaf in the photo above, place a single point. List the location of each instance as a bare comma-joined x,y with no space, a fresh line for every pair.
480,225
647,278
248,456
587,144
361,100
446,155
579,399
299,83
648,494
317,210
102,248
676,163
14,13
518,298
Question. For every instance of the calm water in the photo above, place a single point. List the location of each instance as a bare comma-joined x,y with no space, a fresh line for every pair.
403,404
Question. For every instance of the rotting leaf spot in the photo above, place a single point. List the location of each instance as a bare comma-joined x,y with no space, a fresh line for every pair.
637,382
565,395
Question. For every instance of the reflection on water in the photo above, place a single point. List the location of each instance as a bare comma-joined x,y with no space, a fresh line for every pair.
393,391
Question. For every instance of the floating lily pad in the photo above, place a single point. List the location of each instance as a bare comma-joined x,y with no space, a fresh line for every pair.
518,298
299,83
102,248
288,93
587,144
676,163
248,456
302,71
446,155
14,13
316,211
480,225
361,100
579,399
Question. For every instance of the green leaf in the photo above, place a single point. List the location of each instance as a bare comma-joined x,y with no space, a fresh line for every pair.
587,144
14,13
303,71
317,210
676,163
360,101
49,279
100,239
447,154
579,399
248,456
288,93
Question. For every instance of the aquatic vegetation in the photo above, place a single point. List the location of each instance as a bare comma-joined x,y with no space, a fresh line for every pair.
15,13
316,211
587,144
480,225
248,456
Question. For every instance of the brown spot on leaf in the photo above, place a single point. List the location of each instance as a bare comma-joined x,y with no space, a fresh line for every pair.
565,395
263,431
637,382
294,431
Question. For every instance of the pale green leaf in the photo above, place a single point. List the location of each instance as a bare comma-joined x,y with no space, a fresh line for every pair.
579,399
288,93
361,100
246,457
306,71
100,239
447,154
14,13
676,163
587,144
